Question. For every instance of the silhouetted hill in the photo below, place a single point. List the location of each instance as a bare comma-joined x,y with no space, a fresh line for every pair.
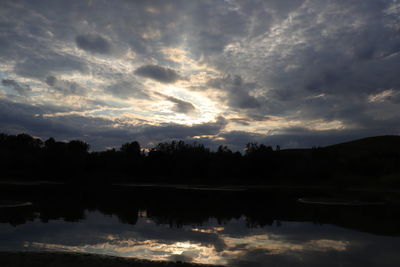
385,143
374,144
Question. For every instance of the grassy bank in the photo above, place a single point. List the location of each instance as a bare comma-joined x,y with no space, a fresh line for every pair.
61,259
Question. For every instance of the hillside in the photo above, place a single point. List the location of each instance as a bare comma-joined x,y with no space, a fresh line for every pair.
385,143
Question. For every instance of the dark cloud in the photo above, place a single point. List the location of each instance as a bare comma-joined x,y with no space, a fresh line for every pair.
180,105
393,96
51,80
158,73
20,89
40,67
65,87
149,135
250,118
242,121
212,26
93,43
332,72
40,121
17,118
299,137
182,132
237,91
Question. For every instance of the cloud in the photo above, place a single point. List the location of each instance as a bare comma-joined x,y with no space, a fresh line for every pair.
384,96
103,134
93,43
298,61
127,89
20,89
40,67
65,87
18,118
237,91
300,137
321,75
99,132
182,132
51,80
180,106
158,73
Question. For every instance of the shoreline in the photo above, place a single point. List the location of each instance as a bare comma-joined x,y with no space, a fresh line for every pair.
215,187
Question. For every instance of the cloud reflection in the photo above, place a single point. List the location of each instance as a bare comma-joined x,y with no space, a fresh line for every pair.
209,244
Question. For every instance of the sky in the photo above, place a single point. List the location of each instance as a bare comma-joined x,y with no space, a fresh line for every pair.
294,73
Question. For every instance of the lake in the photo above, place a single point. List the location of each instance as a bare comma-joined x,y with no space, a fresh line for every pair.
229,227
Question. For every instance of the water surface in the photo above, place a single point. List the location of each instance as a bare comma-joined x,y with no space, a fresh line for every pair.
230,228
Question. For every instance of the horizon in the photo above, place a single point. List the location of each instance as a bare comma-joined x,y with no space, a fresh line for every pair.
274,147
293,73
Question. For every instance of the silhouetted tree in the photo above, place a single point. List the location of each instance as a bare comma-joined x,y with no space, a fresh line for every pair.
78,147
132,149
25,157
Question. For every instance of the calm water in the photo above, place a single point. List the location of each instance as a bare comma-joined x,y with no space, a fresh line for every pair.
231,228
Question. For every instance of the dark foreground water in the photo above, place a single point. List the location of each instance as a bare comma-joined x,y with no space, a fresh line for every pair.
267,228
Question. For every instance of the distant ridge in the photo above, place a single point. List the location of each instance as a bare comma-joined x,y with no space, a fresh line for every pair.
384,143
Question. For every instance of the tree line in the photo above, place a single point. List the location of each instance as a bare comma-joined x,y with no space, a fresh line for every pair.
24,157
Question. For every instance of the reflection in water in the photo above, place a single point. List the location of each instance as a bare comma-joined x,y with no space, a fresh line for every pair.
210,244
234,229
150,249
231,244
139,241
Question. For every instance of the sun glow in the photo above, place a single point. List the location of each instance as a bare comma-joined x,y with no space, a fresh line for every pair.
205,109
